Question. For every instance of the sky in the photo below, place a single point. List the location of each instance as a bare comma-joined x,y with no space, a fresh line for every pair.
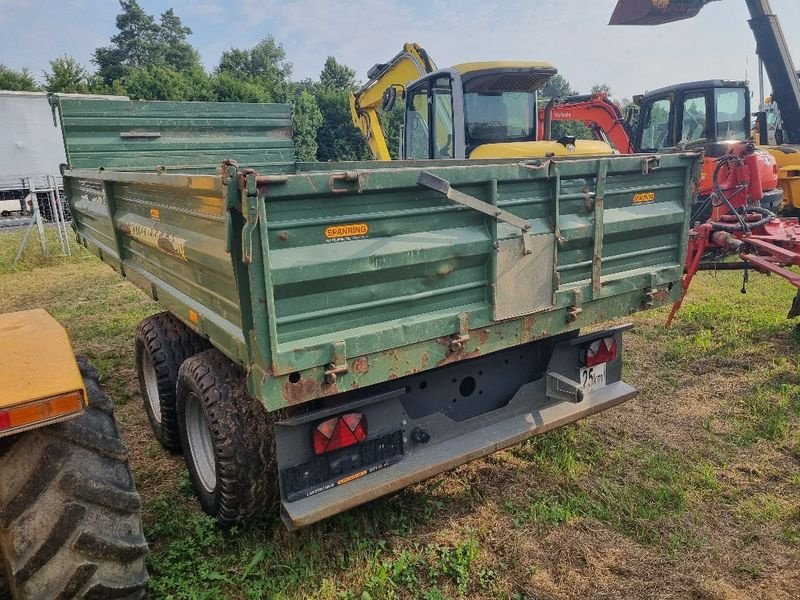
571,34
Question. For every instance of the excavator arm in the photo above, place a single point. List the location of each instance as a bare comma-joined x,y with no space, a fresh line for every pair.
595,111
408,65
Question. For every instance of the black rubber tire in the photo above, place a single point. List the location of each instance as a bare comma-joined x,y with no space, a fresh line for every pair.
70,515
241,434
166,342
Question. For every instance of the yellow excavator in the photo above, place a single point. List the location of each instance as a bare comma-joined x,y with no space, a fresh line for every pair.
471,110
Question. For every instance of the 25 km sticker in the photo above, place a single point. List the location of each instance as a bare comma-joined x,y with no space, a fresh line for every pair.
593,378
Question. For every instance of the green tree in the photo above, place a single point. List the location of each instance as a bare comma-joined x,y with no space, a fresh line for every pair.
335,76
135,45
306,121
556,87
142,42
598,88
66,75
337,138
264,64
161,82
16,81
230,88
177,52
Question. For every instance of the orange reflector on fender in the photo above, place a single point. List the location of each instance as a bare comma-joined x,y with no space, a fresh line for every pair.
40,411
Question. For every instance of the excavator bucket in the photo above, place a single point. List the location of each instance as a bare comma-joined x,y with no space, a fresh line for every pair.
654,12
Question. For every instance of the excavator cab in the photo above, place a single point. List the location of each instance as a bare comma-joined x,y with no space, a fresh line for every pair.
700,114
471,110
482,110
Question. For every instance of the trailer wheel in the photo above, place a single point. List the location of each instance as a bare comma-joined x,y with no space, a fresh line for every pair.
227,438
162,344
70,523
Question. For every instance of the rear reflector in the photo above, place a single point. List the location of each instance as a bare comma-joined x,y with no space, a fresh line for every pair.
339,432
41,411
600,351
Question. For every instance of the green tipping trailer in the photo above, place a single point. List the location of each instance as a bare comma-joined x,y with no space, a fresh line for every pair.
337,331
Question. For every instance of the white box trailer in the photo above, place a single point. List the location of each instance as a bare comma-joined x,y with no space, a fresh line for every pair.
31,144
31,150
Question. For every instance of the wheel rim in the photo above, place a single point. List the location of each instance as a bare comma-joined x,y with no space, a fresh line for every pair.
200,446
151,386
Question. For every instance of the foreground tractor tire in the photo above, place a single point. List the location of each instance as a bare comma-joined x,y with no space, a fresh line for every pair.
70,523
227,439
162,344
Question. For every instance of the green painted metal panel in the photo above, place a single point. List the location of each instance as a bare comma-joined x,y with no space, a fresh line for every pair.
183,137
331,279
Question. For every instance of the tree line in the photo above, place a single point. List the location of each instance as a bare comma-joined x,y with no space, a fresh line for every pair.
151,58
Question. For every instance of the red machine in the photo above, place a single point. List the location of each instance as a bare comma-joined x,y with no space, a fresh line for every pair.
738,194
740,225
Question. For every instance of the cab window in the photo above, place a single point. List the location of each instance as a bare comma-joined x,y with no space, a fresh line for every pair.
732,118
444,145
418,123
694,125
655,125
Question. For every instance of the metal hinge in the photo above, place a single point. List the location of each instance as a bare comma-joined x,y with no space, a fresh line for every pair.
339,364
458,340
250,211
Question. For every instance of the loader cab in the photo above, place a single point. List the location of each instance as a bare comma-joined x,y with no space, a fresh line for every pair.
453,112
701,114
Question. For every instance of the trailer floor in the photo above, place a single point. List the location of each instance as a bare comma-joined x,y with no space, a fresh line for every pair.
690,490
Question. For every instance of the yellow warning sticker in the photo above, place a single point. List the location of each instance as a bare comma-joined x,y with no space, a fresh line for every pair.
337,232
644,198
155,213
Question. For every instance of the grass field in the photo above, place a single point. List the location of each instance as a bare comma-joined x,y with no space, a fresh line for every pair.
691,490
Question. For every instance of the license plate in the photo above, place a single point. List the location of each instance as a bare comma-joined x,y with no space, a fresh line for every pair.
593,378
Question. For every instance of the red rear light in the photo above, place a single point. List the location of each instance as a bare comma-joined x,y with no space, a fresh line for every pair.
600,351
339,432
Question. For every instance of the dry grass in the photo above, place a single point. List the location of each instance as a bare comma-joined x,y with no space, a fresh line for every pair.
692,490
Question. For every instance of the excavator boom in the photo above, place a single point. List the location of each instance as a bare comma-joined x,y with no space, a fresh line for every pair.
408,65
596,111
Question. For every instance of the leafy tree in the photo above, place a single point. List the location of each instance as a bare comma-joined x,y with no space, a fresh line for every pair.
135,45
161,82
335,76
230,88
16,81
391,123
264,64
601,87
337,138
142,42
177,52
556,87
306,121
66,75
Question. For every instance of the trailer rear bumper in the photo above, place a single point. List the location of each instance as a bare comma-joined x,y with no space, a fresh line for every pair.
473,444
